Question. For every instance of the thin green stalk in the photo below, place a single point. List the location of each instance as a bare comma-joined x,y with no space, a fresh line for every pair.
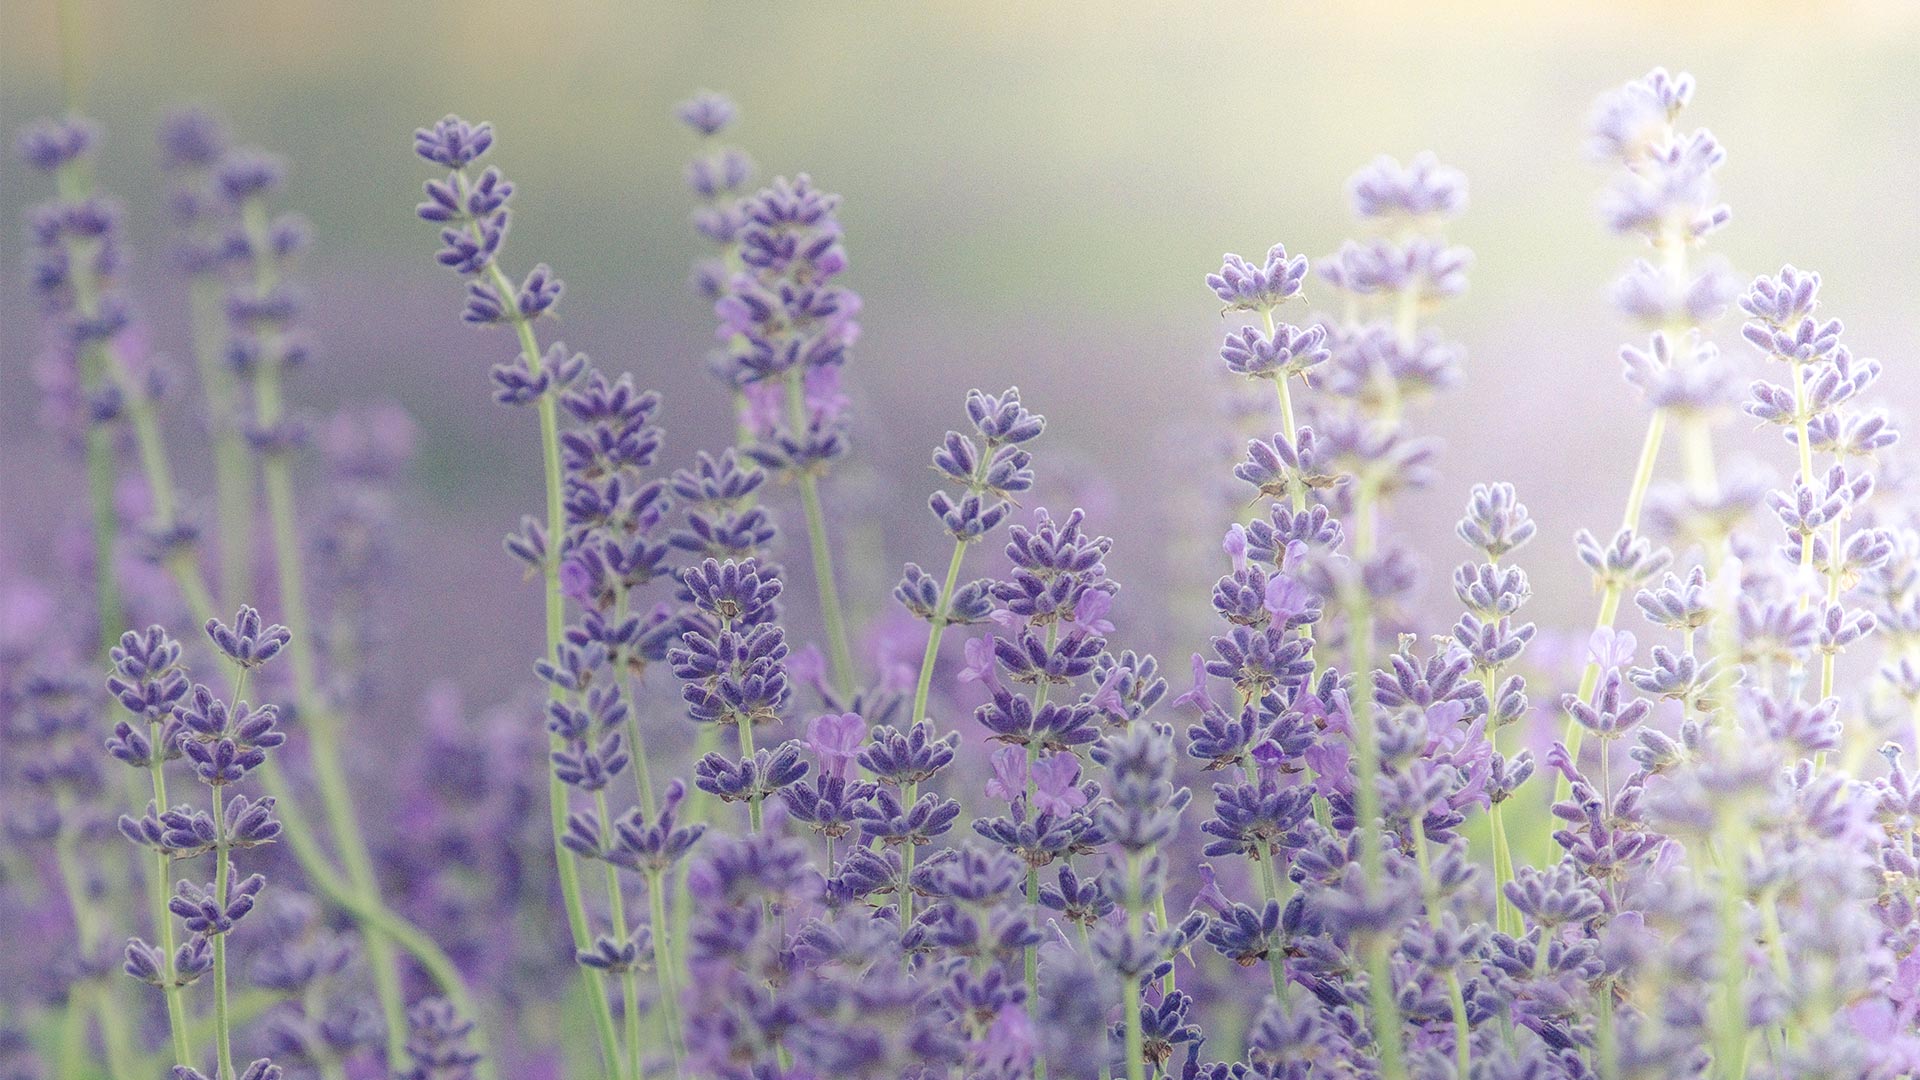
322,728
566,863
88,928
745,727
96,367
301,837
161,888
1505,916
665,966
1729,1016
830,609
1611,592
903,901
1030,963
617,913
924,685
1135,1037
1297,489
642,768
1606,1045
222,1026
1456,998
1385,1010
232,464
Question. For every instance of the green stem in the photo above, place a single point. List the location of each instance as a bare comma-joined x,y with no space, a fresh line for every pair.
830,609
617,913
322,729
96,367
88,928
1135,1037
1385,1011
302,839
1729,1017
642,768
232,465
1297,488
161,888
1606,1046
1610,596
1506,916
924,685
745,727
222,1026
1030,963
665,967
909,794
566,863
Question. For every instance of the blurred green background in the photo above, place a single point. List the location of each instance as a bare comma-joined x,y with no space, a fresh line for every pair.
1033,194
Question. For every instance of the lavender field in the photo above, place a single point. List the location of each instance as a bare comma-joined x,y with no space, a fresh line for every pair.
515,565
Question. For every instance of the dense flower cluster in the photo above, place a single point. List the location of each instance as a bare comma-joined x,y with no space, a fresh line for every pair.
1371,838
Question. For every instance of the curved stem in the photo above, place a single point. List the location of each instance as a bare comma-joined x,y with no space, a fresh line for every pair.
1611,593
665,967
745,729
232,465
555,605
924,685
222,1026
1135,1038
617,913
1385,1010
1297,489
114,1031
322,729
161,888
830,610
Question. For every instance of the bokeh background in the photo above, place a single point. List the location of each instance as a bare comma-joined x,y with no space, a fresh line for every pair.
1033,193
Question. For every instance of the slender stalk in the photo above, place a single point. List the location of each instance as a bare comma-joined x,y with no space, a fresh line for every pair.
665,967
1611,592
566,863
1135,1038
745,727
830,609
1728,1020
923,685
1456,998
1287,425
322,728
1030,963
114,1030
222,1026
1606,1045
617,913
1385,1011
160,888
903,901
232,465
642,768
301,836
1505,916
96,368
